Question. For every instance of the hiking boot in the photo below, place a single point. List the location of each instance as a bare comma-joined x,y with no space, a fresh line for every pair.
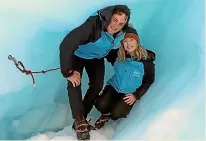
104,118
90,127
81,128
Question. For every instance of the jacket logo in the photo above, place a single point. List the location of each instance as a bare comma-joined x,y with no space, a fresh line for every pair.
136,73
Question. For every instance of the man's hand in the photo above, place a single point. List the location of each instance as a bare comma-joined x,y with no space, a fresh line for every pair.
75,79
129,99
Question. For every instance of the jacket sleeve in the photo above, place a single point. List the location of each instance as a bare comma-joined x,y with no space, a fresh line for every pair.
148,79
112,56
78,36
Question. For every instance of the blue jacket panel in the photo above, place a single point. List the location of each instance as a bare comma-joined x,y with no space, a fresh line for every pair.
128,76
99,48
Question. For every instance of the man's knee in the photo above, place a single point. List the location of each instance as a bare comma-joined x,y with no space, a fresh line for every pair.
69,84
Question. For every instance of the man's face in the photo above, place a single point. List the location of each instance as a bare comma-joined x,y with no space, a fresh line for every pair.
117,23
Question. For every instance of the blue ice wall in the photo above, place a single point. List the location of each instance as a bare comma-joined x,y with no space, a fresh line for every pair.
173,108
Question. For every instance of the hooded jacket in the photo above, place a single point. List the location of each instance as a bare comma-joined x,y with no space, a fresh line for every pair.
132,76
128,76
90,40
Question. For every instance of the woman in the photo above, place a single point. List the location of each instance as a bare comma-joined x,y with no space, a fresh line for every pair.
134,73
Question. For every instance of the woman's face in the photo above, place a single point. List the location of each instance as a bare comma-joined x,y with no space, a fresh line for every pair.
130,44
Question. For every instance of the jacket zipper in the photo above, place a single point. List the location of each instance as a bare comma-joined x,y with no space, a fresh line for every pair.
112,41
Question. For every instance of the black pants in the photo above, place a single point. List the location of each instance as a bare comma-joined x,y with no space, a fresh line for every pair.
95,69
112,102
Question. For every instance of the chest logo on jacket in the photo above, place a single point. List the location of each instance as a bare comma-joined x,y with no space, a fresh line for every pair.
136,73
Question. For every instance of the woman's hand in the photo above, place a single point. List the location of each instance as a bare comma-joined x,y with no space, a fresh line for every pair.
75,79
129,99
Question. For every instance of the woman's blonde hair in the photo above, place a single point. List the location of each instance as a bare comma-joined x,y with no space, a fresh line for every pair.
140,53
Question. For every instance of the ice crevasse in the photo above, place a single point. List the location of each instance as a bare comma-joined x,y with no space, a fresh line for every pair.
172,109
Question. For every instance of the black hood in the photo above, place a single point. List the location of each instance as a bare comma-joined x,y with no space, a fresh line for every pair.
151,55
105,15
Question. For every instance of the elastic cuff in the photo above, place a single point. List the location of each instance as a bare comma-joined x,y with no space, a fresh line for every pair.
70,73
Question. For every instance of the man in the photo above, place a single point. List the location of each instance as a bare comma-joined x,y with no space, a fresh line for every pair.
86,47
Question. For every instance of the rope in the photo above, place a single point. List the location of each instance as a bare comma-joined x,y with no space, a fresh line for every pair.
21,67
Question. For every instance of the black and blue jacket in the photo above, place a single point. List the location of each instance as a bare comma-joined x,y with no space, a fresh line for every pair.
125,80
90,40
128,76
